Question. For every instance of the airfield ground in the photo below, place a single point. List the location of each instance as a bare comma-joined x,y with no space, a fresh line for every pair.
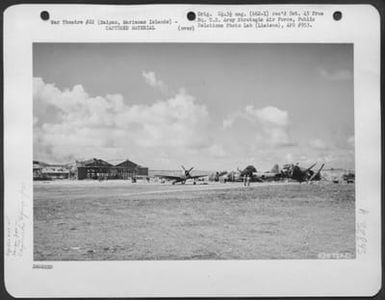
118,220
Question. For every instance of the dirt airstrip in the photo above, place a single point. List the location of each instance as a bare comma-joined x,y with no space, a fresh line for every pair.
118,220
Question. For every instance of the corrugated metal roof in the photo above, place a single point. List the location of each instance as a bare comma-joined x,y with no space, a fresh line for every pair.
94,162
127,164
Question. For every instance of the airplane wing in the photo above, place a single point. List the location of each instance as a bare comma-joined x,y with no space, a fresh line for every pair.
168,177
197,176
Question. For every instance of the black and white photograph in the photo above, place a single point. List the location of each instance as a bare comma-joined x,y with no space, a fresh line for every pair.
180,150
193,151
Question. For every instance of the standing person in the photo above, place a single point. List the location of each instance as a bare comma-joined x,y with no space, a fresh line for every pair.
244,180
248,180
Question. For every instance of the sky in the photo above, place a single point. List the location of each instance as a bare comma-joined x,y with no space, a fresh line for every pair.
211,106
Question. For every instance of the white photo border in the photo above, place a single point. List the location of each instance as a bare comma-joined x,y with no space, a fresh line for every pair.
230,278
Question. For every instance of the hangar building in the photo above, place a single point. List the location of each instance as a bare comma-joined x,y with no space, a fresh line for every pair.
100,169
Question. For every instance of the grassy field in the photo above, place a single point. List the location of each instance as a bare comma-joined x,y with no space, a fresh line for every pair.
124,221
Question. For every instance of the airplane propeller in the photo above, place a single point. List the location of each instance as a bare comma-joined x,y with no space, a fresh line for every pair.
187,171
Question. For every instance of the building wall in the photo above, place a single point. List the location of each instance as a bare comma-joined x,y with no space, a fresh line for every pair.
142,171
92,169
105,173
81,173
47,172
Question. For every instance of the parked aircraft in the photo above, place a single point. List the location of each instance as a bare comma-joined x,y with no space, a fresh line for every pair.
255,176
232,176
251,172
349,177
248,171
273,175
217,175
299,174
183,178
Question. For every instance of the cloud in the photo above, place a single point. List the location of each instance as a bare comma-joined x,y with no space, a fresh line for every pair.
151,80
318,144
228,122
320,153
80,126
338,75
270,124
176,122
217,150
269,115
289,157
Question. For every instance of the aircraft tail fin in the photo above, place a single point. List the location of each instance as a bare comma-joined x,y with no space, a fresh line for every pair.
275,169
317,173
311,167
